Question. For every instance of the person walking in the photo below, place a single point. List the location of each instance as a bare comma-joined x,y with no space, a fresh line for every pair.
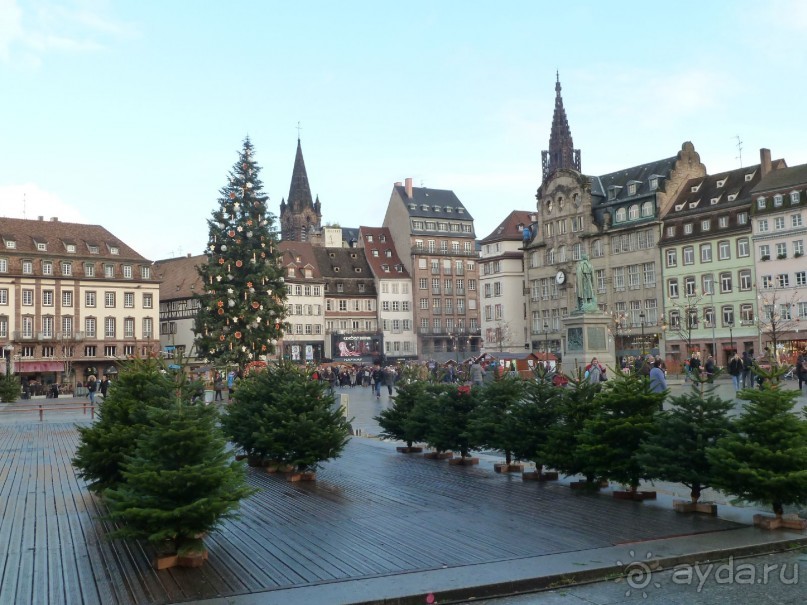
378,377
748,366
92,385
695,365
477,373
709,368
103,387
658,380
736,372
594,372
801,369
218,387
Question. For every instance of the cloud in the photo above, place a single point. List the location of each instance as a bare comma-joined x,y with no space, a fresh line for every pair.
27,34
29,200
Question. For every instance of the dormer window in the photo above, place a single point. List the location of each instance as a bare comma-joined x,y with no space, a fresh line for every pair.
714,200
424,207
777,200
612,192
694,188
370,239
693,205
721,183
385,268
653,183
92,249
679,207
449,209
399,268
11,244
761,203
71,248
308,273
749,176
388,253
290,272
382,238
340,287
437,209
413,206
361,287
42,246
375,253
357,269
114,250
794,197
731,197
461,210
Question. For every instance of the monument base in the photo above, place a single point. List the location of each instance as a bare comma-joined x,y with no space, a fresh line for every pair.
588,336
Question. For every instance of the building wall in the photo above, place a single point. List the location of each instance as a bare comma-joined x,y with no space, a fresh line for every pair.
502,299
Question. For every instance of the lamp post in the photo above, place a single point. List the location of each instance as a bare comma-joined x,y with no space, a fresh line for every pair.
731,335
546,341
641,324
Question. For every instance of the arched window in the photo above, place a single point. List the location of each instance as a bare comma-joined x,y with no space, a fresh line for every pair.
647,209
562,254
620,216
596,248
550,256
633,212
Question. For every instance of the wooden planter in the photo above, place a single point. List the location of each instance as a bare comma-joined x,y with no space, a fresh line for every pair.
277,467
466,461
298,476
438,455
513,467
593,486
196,559
686,506
536,476
636,496
783,522
409,449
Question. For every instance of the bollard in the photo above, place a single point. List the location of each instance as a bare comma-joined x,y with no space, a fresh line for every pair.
41,413
92,412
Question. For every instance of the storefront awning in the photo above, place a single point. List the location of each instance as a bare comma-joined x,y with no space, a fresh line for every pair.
39,366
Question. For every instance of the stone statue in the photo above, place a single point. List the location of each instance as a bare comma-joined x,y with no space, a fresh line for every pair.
586,299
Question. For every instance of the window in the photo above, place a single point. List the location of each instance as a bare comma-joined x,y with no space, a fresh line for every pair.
633,212
89,298
343,305
761,203
47,267
762,225
127,271
687,228
620,216
47,298
708,283
89,270
3,265
724,250
706,253
27,266
128,300
708,317
795,220
798,247
742,218
767,282
801,278
67,298
783,280
725,282
672,257
3,326
148,327
723,222
743,249
779,223
619,279
764,252
600,276
89,327
647,209
672,288
689,255
109,300
67,325
109,327
145,272
148,301
777,200
596,248
690,286
794,197
128,327
28,297
671,231
3,296
634,282
746,314
706,224
745,280
781,250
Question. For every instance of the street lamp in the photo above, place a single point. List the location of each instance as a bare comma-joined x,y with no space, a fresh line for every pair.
731,335
641,320
546,341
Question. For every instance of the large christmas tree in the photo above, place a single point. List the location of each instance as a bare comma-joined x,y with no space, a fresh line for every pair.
241,311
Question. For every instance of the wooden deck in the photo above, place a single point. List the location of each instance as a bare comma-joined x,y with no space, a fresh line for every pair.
373,512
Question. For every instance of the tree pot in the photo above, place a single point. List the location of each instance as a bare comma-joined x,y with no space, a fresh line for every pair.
513,467
295,476
438,455
686,506
636,496
463,461
195,559
536,476
406,449
783,522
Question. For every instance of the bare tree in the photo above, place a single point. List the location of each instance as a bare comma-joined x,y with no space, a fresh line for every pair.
777,318
683,318
502,334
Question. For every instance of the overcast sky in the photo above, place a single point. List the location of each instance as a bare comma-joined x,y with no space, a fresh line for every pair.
130,114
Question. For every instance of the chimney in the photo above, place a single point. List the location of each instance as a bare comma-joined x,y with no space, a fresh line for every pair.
40,218
189,254
765,161
409,188
54,219
398,184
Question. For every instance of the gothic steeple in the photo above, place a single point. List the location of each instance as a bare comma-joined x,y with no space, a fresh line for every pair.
299,215
561,153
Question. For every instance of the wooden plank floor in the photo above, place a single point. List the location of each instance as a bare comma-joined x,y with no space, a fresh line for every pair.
373,512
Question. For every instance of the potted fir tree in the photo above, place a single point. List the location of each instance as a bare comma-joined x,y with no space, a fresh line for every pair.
765,458
449,421
534,417
395,421
676,450
493,423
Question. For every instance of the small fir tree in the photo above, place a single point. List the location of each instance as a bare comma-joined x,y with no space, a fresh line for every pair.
494,425
576,407
533,417
449,415
122,416
676,449
395,421
622,420
181,481
282,415
241,311
9,388
765,459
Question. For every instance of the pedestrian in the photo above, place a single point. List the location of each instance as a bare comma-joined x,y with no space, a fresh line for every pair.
378,377
388,378
218,387
594,372
748,367
103,387
477,373
736,372
658,380
801,369
710,369
91,388
695,365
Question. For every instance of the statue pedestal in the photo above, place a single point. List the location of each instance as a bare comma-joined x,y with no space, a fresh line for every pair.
587,336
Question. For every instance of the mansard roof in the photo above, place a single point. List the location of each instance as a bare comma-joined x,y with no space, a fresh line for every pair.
299,255
433,203
618,181
715,191
348,266
784,178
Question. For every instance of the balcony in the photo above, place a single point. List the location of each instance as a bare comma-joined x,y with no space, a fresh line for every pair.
460,291
420,251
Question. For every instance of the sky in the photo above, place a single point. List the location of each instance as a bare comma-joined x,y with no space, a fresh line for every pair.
130,114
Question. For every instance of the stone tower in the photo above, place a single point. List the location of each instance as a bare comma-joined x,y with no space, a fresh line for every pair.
300,215
561,153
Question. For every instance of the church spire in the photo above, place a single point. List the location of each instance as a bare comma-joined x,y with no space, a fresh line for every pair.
299,190
561,153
